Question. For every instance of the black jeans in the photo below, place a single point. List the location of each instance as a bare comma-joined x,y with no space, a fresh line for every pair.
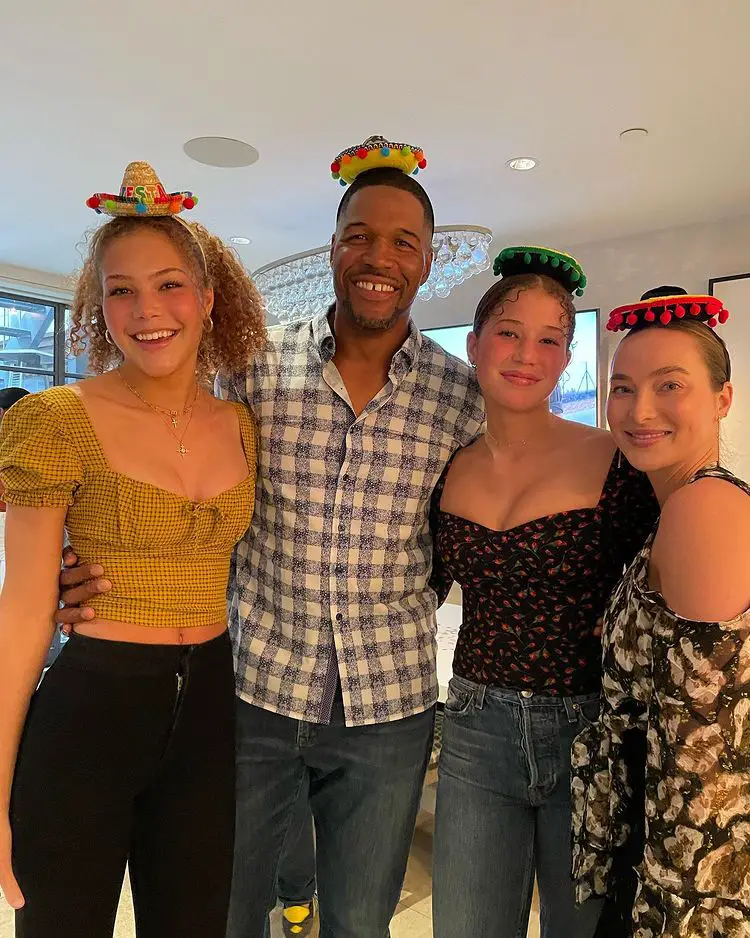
127,756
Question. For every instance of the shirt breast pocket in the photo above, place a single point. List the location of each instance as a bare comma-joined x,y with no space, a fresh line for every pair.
405,471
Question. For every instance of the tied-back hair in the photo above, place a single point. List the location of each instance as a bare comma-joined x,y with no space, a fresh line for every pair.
713,348
509,289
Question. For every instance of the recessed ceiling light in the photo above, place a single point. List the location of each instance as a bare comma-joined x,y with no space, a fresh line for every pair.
522,163
221,151
240,240
633,134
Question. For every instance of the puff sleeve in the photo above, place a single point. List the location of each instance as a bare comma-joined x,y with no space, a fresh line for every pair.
39,465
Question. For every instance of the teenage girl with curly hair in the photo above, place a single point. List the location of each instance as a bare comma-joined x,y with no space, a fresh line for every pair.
125,751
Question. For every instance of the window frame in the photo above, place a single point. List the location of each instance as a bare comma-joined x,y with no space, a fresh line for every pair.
58,372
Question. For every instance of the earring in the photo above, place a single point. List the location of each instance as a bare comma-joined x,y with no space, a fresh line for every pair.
108,337
208,323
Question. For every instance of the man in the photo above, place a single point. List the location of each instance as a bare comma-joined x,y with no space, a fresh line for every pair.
331,613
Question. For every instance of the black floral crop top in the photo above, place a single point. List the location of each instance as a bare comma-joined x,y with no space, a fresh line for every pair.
534,594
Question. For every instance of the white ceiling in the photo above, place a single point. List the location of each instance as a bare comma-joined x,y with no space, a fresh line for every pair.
86,87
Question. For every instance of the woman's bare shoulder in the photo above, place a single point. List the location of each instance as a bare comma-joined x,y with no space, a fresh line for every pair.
580,442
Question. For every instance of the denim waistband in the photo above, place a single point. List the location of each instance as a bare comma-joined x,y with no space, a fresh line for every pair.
525,698
137,658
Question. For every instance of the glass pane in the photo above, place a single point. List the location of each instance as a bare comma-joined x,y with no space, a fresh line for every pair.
74,365
18,379
26,334
576,395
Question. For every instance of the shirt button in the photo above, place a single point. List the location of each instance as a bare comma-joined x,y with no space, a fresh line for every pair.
527,693
339,617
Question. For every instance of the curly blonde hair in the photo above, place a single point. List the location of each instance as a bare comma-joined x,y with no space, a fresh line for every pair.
238,313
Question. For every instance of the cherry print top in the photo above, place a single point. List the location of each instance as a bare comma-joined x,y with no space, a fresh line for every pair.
534,594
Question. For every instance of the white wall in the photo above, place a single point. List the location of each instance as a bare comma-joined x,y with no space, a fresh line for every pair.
21,280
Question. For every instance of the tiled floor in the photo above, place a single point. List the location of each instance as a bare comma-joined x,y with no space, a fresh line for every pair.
413,915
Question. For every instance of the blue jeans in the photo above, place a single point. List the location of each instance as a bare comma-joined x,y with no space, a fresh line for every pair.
296,879
364,786
503,814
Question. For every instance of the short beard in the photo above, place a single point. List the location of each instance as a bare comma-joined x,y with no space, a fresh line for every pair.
372,325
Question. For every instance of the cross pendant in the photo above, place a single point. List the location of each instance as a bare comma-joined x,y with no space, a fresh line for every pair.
173,418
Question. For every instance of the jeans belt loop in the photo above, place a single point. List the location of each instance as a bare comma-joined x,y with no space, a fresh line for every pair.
479,695
572,709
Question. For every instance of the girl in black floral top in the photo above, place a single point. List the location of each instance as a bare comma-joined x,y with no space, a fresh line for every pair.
676,649
536,520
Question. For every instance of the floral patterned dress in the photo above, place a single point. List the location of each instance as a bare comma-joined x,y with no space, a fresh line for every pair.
686,686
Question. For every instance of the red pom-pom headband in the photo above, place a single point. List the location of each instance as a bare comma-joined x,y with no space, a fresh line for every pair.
666,309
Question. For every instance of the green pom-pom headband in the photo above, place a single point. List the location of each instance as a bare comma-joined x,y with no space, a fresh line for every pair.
525,259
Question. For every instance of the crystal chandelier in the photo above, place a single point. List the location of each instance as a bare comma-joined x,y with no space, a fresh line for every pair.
301,286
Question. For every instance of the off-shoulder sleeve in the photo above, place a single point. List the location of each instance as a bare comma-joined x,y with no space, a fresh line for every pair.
39,466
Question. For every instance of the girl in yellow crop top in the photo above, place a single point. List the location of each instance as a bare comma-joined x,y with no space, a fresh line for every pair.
125,751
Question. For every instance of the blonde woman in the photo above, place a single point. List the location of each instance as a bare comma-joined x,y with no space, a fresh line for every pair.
676,649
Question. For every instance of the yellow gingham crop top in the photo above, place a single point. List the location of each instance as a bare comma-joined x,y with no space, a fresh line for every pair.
166,556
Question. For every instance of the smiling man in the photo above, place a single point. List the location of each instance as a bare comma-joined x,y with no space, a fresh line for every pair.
331,613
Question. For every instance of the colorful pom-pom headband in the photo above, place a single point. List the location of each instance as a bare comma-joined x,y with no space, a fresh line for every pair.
666,309
141,193
375,153
529,259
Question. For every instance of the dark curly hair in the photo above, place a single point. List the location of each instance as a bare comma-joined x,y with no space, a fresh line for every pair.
238,312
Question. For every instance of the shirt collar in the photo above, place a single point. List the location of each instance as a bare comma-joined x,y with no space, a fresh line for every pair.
402,362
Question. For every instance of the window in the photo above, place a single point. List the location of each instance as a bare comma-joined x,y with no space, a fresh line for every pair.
33,352
576,396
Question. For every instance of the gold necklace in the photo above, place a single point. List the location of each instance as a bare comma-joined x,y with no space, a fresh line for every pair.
171,415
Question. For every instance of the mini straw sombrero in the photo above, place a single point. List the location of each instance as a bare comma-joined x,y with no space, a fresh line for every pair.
141,193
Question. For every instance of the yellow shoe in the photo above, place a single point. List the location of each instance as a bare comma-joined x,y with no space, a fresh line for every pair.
297,920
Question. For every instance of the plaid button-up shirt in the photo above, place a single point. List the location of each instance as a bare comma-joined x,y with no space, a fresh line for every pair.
333,572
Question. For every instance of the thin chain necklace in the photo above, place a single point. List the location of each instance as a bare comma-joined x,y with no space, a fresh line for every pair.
174,416
495,442
168,415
